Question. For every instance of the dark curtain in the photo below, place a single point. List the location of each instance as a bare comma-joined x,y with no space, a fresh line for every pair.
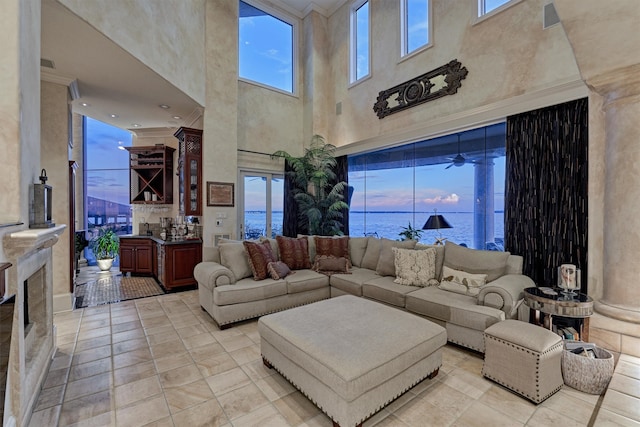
290,214
342,174
546,190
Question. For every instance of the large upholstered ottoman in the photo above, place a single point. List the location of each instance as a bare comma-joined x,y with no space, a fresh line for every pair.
524,358
349,355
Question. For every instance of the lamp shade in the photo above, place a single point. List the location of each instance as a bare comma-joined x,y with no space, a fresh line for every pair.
435,222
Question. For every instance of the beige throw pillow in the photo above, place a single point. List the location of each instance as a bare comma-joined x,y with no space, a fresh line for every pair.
415,268
386,265
462,282
234,257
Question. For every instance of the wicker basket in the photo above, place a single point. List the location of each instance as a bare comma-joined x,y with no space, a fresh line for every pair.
584,373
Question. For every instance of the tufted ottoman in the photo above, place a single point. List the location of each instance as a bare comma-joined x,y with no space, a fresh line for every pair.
524,358
349,355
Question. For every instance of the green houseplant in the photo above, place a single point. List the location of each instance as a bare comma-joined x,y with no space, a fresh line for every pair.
410,233
105,247
318,195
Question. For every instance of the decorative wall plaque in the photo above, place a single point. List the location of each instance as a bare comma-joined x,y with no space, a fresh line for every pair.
442,81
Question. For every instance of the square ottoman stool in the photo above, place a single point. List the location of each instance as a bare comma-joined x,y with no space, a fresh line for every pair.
524,358
351,356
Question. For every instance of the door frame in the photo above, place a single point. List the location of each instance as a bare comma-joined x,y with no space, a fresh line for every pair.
269,175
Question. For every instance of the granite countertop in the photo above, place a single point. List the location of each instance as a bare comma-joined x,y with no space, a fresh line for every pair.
178,241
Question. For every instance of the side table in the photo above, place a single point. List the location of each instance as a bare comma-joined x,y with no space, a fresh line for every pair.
578,306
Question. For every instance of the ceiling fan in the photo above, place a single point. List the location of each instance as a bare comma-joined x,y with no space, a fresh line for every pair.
458,160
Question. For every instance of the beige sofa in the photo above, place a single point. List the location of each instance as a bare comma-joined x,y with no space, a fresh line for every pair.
228,292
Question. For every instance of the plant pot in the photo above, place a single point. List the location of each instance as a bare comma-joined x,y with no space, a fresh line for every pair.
105,264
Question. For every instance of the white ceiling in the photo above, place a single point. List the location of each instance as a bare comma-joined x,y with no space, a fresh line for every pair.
111,81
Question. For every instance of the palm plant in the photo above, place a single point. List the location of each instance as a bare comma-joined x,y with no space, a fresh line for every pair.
319,197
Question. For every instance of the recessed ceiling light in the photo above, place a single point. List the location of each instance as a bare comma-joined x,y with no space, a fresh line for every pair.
164,106
136,125
84,104
113,116
177,117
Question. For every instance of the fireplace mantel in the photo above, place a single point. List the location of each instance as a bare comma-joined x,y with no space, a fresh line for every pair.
25,241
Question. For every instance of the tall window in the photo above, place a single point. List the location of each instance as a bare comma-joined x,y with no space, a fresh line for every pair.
360,41
488,6
106,177
459,175
266,48
261,206
415,25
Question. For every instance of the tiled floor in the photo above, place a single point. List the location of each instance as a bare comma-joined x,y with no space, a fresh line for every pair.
161,361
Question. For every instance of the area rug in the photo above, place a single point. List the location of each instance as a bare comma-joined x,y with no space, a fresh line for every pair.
115,289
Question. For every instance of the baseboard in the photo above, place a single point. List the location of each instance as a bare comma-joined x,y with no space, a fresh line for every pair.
62,302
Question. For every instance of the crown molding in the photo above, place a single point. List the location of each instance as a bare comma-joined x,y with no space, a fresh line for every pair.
57,78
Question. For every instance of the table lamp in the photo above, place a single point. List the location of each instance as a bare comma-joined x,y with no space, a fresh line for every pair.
436,222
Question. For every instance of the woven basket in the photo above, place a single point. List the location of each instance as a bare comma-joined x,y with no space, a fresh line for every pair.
584,373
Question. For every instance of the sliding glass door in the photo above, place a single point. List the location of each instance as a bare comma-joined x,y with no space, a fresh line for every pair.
262,201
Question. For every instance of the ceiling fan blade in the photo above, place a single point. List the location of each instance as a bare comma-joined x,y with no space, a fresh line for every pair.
450,164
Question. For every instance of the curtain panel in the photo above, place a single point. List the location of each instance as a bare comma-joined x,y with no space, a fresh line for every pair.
342,174
290,213
546,190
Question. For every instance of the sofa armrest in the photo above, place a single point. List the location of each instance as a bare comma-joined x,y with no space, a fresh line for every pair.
212,274
505,293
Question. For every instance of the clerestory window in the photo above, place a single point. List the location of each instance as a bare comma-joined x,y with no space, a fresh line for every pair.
415,25
360,41
487,6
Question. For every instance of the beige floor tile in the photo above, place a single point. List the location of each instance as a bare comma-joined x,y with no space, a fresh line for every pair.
127,326
180,376
626,385
188,331
45,417
144,412
186,396
420,412
87,386
66,338
90,355
168,348
85,407
163,334
235,342
127,335
89,369
130,393
56,378
108,419
164,422
481,415
61,361
320,420
199,340
155,322
545,417
628,367
130,345
242,401
124,318
206,351
467,383
265,416
132,358
217,364
510,404
184,320
93,343
97,322
296,408
256,370
50,397
89,333
606,418
173,361
622,404
581,411
133,373
447,398
227,381
246,354
209,414
275,387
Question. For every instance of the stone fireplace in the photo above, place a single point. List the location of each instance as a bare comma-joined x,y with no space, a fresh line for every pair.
32,339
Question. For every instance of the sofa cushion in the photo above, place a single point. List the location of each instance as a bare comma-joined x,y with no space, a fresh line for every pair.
450,307
462,282
386,265
278,270
371,254
416,268
305,280
337,247
234,257
247,290
491,263
352,283
259,255
385,290
357,248
329,264
294,252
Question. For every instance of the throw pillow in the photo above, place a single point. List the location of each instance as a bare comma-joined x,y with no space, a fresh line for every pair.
260,255
439,257
415,268
278,270
328,265
461,282
386,265
234,257
337,247
294,252
371,254
274,246
491,263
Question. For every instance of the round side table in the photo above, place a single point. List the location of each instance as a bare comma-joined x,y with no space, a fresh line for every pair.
552,302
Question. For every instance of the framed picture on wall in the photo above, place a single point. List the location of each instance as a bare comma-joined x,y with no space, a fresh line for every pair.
219,194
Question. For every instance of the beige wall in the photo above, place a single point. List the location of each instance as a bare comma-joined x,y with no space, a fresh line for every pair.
166,35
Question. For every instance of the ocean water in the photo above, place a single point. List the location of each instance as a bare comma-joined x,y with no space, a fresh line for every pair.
390,224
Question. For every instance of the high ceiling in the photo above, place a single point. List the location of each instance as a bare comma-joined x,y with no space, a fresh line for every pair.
111,82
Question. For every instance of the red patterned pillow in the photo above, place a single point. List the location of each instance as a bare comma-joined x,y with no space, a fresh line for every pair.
294,252
259,255
278,270
328,264
337,247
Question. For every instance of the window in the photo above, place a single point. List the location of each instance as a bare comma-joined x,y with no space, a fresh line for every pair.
360,58
488,6
462,176
266,46
415,25
106,178
261,209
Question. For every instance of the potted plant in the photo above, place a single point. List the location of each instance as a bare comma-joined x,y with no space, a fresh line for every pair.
320,198
105,247
410,233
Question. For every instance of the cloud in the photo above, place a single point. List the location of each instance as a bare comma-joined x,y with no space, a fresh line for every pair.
451,199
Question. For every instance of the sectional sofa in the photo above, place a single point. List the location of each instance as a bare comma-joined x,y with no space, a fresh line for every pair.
464,290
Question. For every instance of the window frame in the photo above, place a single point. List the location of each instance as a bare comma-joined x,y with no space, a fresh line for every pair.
295,26
404,35
482,15
353,42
